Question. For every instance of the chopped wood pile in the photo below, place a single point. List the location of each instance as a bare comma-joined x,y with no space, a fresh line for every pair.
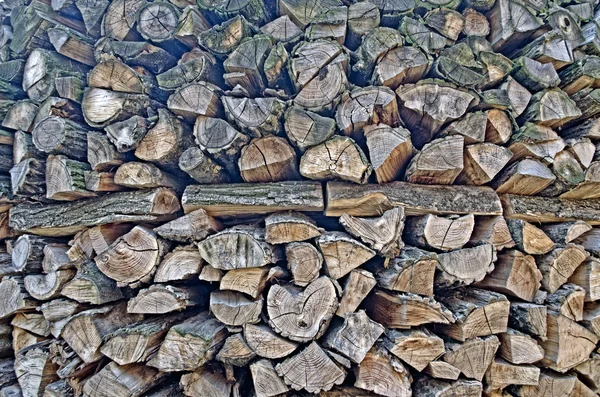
212,198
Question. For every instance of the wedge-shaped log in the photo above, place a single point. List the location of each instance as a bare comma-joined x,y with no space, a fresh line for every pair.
304,260
238,248
501,374
90,285
519,348
263,341
431,231
289,227
240,199
266,381
353,337
412,271
587,276
161,299
529,238
358,285
428,387
416,347
383,234
235,351
472,357
465,266
132,380
190,344
568,301
529,318
65,219
183,263
234,308
382,374
250,281
342,253
438,163
559,265
402,310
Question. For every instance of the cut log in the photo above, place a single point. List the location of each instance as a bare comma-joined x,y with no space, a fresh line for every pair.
238,248
514,274
27,178
582,149
551,108
32,322
101,182
431,231
194,226
254,12
353,337
337,158
157,21
567,232
311,370
372,200
35,369
90,285
202,332
428,105
266,381
65,179
288,227
84,331
268,159
302,315
132,380
559,265
14,297
202,66
412,271
492,230
402,310
342,254
529,238
568,343
240,199
567,301
588,185
438,163
526,177
250,281
266,343
501,374
545,209
145,176
235,351
442,370
382,234
101,154
472,357
102,107
161,299
427,387
256,117
390,150
528,318
282,29
210,274
465,266
136,343
28,252
358,285
519,348
550,384
304,261
205,381
401,65
23,148
222,39
478,313
47,286
587,276
196,99
534,75
201,167
482,162
416,347
383,374
234,308
182,263
307,129
21,116
588,371
324,91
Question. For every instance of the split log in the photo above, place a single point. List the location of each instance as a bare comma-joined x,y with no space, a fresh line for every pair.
32,322
222,39
132,257
587,276
337,158
311,370
482,162
382,234
161,299
567,301
133,380
102,107
465,266
353,337
136,53
438,163
492,230
402,310
94,241
47,286
528,318
201,167
238,248
514,274
182,263
101,154
137,342
268,159
307,129
203,332
442,370
282,29
70,87
101,182
257,117
529,238
90,285
567,232
412,271
145,176
445,234
65,179
526,177
472,357
545,209
250,281
65,219
126,135
427,387
14,297
254,12
401,65
519,348
27,178
85,330
416,347
304,261
478,313
558,265
23,148
549,384
35,370
210,274
289,227
588,185
235,351
201,67
374,199
20,116
342,254
416,32
194,226
588,371
28,252
591,317
551,108
266,381
582,149
324,91
534,75
266,343
358,285
240,199
72,44
567,343
205,380
390,149
383,374
501,374
302,315
234,308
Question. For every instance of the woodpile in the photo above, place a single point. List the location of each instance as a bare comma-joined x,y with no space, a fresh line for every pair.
261,198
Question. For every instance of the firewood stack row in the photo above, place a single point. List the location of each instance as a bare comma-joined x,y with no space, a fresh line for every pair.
258,198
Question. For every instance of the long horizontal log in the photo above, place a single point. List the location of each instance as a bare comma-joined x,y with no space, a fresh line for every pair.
368,200
154,205
253,198
549,209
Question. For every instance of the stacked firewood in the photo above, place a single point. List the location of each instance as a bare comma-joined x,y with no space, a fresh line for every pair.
256,198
